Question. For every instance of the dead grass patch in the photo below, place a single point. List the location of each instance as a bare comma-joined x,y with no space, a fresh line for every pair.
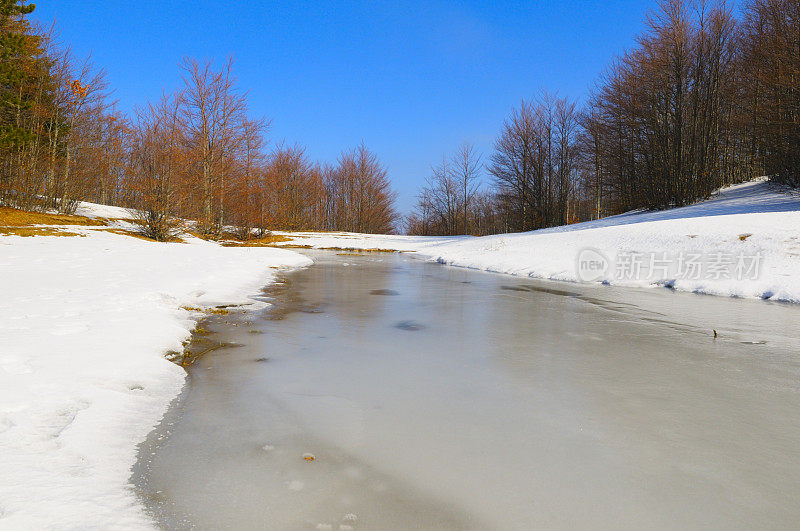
294,246
136,234
35,231
266,241
219,310
17,218
353,250
194,348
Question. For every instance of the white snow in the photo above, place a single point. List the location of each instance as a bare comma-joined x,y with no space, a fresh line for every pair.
359,242
95,210
85,322
84,326
746,241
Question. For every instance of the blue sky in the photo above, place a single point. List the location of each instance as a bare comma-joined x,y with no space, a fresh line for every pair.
412,80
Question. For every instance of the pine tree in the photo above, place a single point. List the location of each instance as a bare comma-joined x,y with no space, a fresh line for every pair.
22,69
18,49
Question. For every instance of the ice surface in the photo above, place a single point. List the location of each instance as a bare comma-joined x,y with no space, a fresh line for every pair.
521,404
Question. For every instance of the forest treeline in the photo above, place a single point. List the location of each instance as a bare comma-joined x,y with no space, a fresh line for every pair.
701,101
195,154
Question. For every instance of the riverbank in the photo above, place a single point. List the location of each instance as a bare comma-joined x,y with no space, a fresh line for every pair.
743,242
86,318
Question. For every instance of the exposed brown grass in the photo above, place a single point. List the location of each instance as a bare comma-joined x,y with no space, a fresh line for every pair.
342,249
219,310
266,241
23,223
294,246
199,330
35,231
19,218
365,252
193,349
743,237
373,250
357,251
139,235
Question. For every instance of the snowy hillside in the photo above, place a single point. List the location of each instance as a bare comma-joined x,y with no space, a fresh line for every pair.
85,322
743,242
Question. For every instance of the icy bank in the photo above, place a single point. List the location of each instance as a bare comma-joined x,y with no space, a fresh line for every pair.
84,326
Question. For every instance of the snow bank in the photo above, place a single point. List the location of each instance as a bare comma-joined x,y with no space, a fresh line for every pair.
360,242
96,210
84,325
744,242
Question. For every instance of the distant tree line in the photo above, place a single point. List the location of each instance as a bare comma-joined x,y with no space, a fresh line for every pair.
196,154
701,101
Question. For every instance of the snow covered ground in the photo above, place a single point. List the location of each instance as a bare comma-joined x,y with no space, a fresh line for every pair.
744,242
84,326
85,322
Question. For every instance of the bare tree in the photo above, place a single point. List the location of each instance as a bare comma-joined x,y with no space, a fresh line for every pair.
771,63
157,162
360,195
466,165
213,114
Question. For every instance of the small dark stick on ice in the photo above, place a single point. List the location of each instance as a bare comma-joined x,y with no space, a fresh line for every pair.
715,334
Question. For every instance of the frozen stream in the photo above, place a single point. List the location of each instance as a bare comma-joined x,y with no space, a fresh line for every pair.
441,398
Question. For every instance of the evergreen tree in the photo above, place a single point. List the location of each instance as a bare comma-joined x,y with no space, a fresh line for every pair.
18,50
26,105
